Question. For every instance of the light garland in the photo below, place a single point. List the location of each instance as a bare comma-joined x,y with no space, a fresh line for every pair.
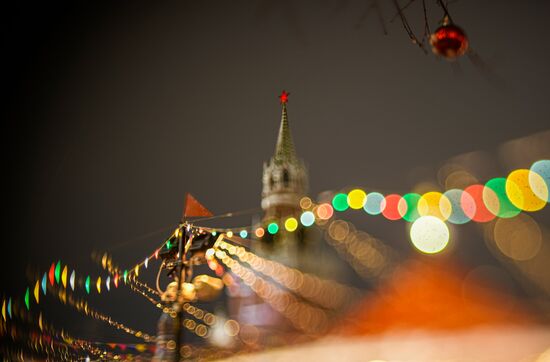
304,317
325,293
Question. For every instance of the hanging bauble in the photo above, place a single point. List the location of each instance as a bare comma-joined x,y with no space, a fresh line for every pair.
449,41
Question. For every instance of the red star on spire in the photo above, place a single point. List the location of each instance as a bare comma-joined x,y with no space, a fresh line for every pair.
284,97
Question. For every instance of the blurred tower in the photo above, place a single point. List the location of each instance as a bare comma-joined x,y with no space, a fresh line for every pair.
285,179
285,182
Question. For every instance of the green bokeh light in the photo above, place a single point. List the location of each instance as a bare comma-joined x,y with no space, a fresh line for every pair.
340,202
272,228
506,208
412,207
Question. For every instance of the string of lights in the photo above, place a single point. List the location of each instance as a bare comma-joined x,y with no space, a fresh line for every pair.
325,293
304,317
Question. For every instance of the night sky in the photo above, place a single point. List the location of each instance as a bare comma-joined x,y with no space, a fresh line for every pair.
114,110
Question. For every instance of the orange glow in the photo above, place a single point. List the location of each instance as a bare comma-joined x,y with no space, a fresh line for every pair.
260,232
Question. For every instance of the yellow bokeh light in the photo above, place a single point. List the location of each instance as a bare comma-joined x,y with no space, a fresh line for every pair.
435,204
520,193
291,224
429,234
356,199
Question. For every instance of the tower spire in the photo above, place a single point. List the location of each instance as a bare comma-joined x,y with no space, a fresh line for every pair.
284,150
285,176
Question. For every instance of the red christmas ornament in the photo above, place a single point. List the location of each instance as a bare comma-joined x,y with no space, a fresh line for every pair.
449,41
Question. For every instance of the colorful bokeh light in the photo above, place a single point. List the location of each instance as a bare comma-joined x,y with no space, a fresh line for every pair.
260,232
502,207
411,201
356,199
395,208
291,224
324,211
460,201
375,203
429,234
480,213
307,218
541,168
434,204
272,228
522,194
340,202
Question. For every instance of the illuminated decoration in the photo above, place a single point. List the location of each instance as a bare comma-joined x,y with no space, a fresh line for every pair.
481,212
44,283
501,206
229,234
411,207
157,254
64,277
37,292
146,262
291,224
356,199
272,228
4,309
51,274
340,202
72,279
104,261
284,97
375,203
243,234
108,283
260,232
125,276
307,218
462,204
136,270
27,299
324,211
168,244
429,234
115,282
98,285
282,301
434,204
9,307
520,193
87,284
394,208
542,169
58,272
315,289
449,41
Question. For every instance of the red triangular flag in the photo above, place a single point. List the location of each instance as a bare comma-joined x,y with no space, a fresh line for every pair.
194,208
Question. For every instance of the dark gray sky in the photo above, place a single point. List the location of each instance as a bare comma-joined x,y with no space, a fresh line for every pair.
116,110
